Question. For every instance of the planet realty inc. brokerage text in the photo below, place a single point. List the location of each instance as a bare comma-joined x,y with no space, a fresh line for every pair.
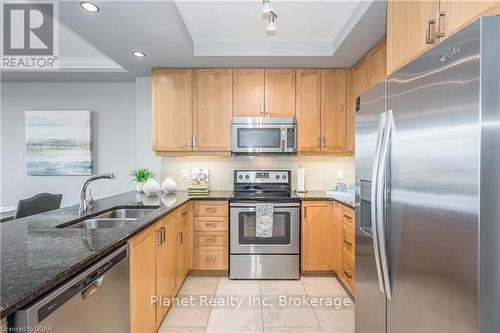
232,301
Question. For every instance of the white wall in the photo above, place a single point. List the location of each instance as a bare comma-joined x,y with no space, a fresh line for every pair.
113,107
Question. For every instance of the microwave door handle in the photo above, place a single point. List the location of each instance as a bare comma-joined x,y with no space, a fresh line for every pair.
283,139
373,200
381,202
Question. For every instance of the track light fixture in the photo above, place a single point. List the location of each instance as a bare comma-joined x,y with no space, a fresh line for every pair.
269,14
271,27
266,9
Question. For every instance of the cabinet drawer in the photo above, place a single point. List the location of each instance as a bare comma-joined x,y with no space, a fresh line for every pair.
347,239
211,259
210,223
348,216
210,208
210,239
347,273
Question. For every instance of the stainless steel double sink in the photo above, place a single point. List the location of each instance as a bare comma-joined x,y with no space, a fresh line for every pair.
112,219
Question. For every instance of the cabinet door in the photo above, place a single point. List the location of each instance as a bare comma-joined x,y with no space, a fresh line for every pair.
280,93
171,103
407,24
248,90
182,253
317,235
212,110
459,13
358,83
333,114
142,281
309,110
166,261
337,239
376,64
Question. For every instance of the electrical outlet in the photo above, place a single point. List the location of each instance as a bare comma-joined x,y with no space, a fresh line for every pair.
185,174
340,173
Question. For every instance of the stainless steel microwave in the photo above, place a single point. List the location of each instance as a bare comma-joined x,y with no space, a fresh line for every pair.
264,135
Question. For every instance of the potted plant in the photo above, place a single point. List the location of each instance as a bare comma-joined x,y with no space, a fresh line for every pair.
140,176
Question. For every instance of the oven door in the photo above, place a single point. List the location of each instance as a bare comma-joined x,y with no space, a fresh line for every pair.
251,138
285,238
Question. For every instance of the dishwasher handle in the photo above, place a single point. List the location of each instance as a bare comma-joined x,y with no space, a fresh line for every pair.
85,283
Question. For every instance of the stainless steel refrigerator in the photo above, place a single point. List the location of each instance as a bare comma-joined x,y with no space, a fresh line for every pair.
428,190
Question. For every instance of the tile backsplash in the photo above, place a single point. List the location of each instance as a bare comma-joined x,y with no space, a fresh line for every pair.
321,172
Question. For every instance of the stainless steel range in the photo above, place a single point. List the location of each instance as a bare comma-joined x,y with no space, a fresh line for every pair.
275,257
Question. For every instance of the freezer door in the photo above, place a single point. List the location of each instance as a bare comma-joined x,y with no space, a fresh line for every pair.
370,301
432,206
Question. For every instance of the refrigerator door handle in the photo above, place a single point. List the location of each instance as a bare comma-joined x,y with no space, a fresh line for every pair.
374,209
380,197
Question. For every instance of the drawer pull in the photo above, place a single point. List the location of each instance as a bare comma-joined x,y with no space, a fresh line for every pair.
210,210
210,258
210,239
211,225
348,274
184,212
349,217
347,242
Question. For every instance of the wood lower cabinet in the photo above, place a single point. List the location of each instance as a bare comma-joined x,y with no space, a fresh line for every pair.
210,226
166,261
159,263
212,109
317,235
143,281
171,109
328,240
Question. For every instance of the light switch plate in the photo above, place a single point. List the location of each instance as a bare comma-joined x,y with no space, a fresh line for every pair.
185,174
340,173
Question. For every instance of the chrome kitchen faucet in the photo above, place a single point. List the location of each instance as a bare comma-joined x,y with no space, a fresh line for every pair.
86,203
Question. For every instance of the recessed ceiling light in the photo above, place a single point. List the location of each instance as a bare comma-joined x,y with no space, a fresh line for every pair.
89,6
139,54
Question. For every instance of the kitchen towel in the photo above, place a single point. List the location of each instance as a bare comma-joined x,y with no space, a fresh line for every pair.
264,220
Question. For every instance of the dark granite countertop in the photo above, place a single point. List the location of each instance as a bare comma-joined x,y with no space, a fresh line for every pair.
35,256
320,195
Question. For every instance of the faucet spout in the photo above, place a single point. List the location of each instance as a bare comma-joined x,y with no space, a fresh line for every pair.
87,202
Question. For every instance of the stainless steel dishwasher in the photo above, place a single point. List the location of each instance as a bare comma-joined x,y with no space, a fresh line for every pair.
96,300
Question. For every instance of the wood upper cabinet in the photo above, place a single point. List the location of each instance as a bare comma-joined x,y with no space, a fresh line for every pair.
333,110
248,85
414,26
261,93
166,260
317,235
459,13
212,109
308,100
279,93
142,281
377,63
171,103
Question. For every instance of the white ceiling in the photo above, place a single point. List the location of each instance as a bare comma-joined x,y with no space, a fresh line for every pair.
237,28
171,34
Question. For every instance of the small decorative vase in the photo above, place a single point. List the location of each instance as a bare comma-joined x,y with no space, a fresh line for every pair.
139,196
139,187
151,186
168,185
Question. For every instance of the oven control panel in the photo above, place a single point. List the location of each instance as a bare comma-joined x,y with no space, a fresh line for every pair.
262,176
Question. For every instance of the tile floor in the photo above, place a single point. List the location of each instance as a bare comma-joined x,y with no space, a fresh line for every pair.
217,304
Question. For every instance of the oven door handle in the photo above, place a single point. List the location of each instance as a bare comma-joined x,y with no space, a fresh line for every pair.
276,205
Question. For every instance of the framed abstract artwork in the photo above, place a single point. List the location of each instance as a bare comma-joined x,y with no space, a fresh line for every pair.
58,143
